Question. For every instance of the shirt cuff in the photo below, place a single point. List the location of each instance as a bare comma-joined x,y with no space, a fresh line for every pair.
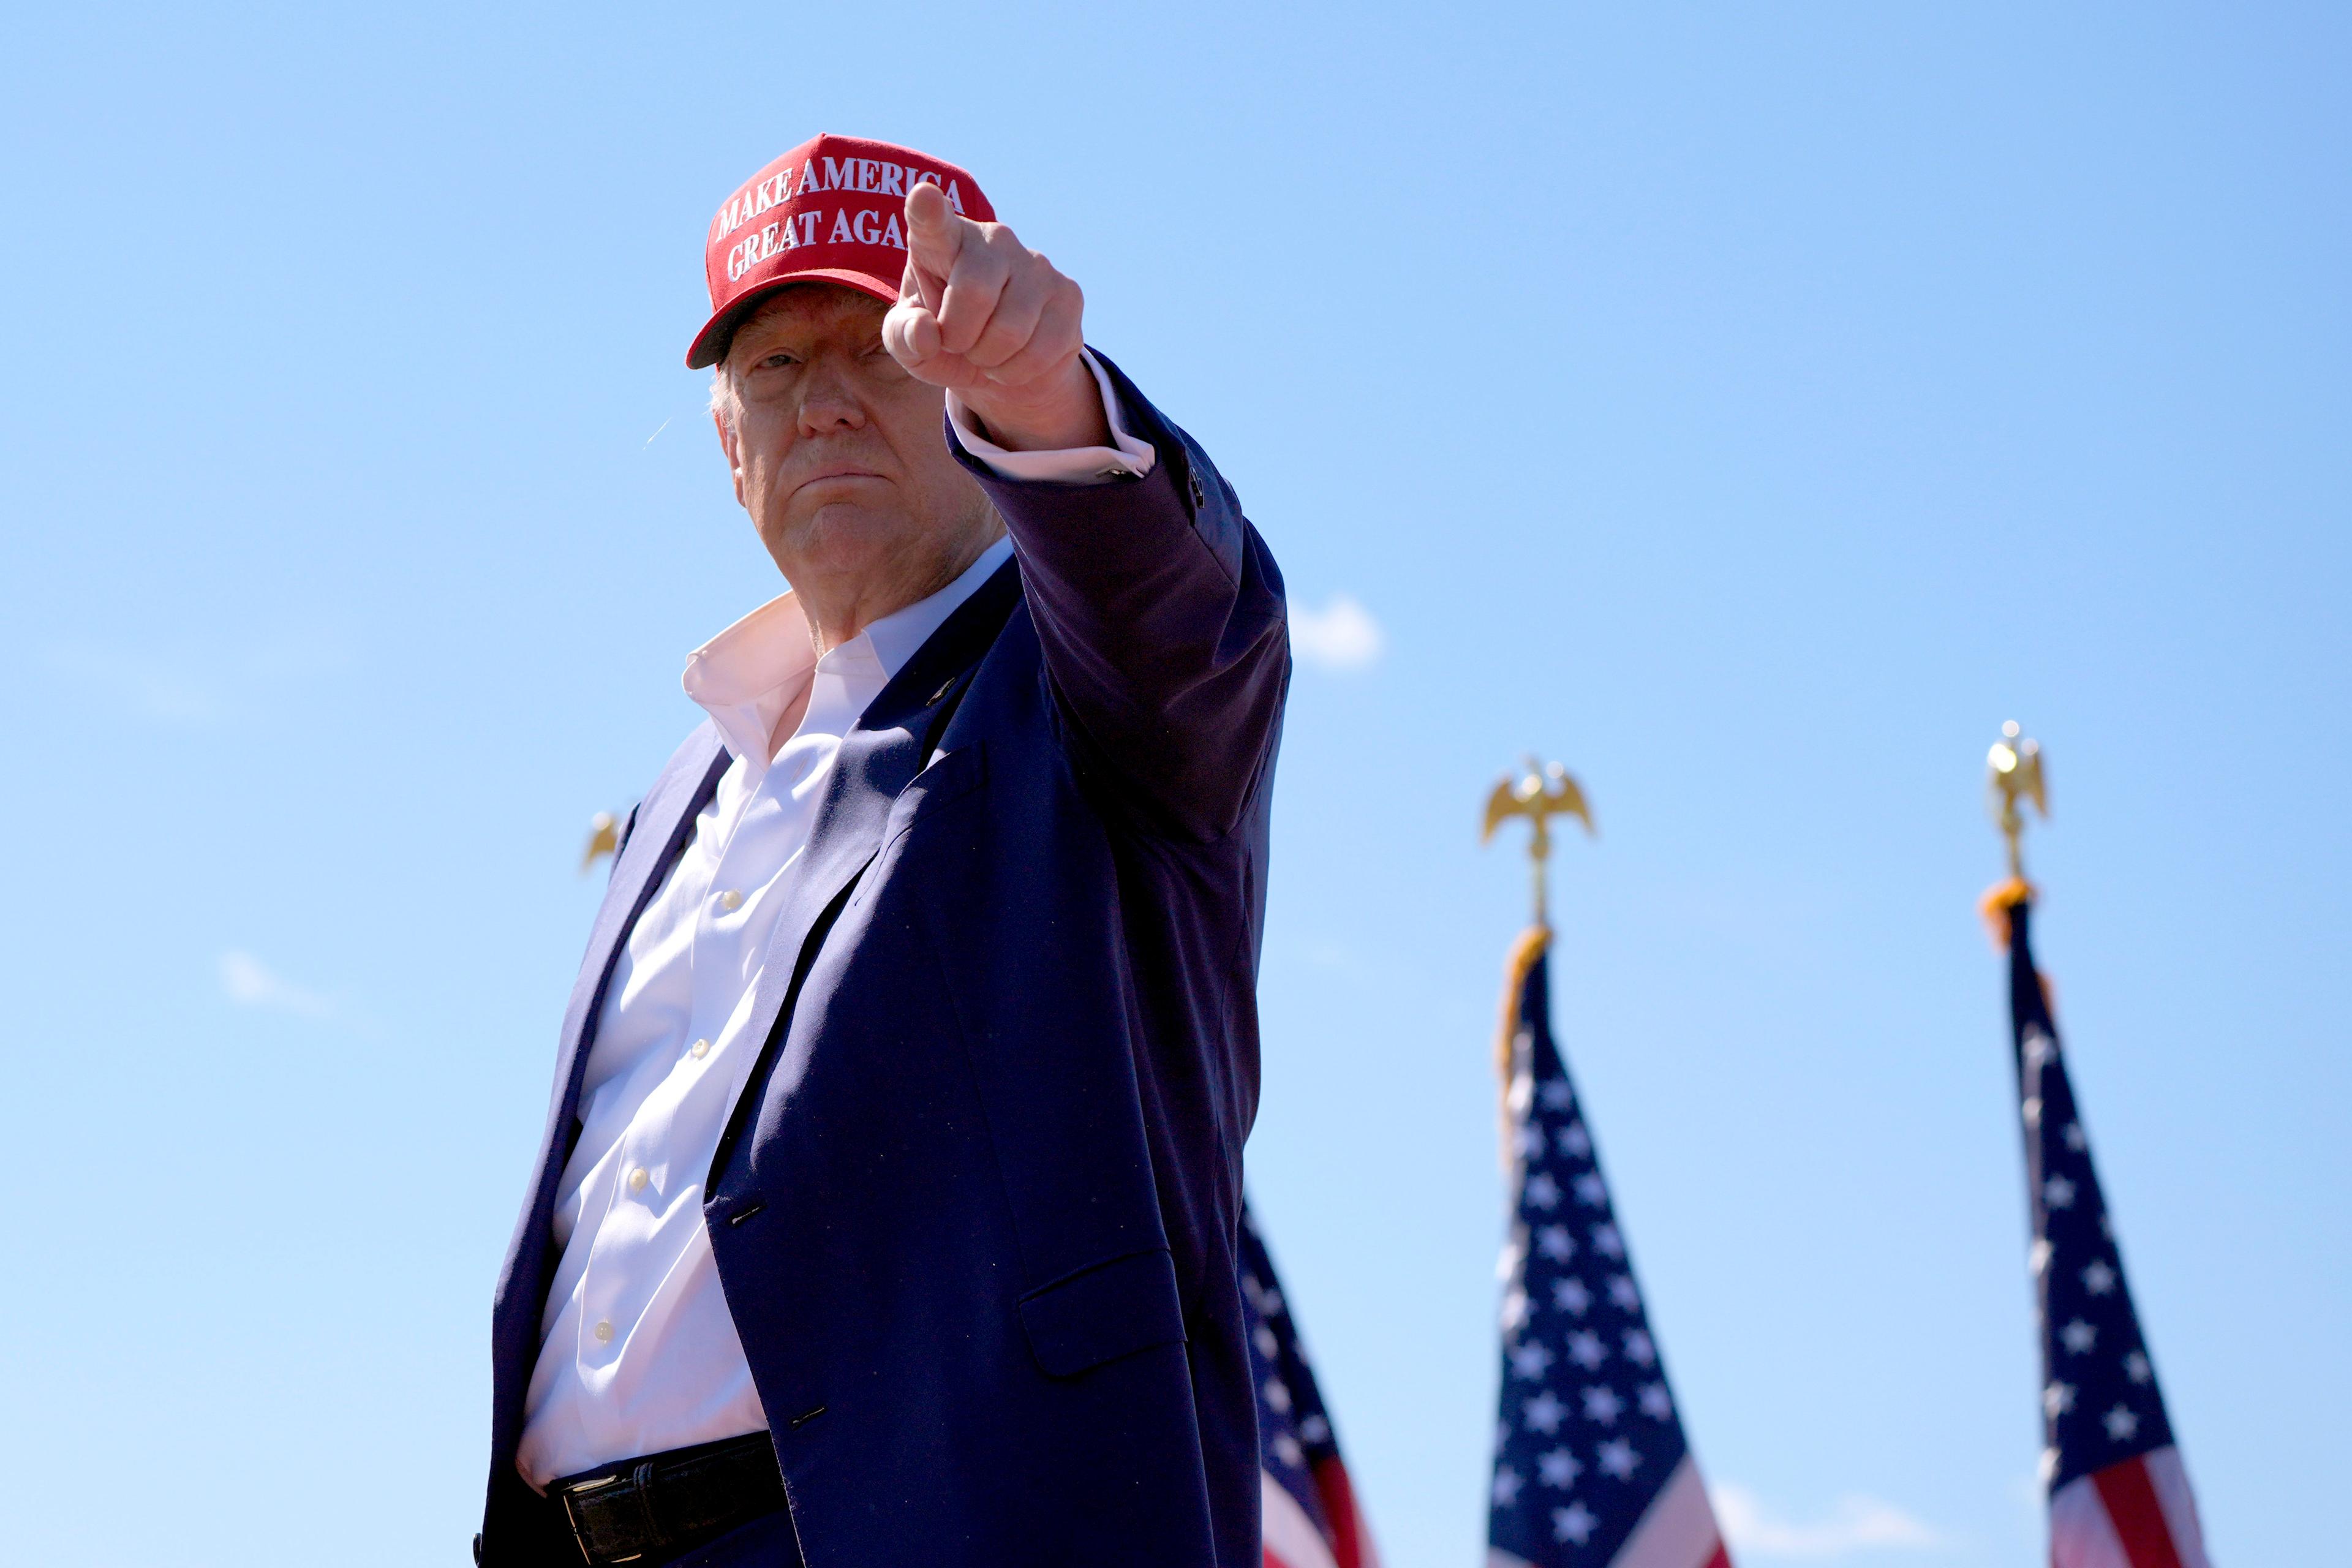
1125,458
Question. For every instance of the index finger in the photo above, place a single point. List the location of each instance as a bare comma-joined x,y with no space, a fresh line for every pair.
935,237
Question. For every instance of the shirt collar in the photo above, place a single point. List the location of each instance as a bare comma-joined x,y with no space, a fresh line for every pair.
897,635
749,674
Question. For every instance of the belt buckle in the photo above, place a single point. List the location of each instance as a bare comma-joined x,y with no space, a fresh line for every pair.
640,1478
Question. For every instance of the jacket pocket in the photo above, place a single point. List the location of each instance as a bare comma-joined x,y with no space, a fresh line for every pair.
1101,1313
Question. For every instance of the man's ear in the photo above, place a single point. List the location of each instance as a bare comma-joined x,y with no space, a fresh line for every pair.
727,445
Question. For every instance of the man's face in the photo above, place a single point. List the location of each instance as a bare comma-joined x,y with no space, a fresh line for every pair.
838,456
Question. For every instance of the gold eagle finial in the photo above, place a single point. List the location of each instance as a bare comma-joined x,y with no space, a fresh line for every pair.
2015,772
604,838
1539,794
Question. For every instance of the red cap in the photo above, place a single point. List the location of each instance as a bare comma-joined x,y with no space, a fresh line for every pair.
832,210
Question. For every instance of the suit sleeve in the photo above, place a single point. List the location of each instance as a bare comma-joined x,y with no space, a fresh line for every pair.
1160,613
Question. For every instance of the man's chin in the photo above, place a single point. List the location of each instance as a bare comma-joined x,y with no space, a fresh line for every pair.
843,538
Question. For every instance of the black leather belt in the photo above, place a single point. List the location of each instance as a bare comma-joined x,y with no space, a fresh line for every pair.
647,1510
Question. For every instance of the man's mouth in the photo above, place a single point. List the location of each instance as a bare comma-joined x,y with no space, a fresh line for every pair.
836,471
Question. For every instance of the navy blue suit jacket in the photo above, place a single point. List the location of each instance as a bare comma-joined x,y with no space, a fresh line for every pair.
976,1213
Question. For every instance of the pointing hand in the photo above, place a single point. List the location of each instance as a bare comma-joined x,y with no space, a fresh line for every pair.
993,321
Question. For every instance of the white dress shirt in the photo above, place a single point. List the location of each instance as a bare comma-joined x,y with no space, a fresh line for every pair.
637,1352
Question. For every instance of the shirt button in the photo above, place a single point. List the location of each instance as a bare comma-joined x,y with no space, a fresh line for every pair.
637,1179
603,1334
731,900
701,1049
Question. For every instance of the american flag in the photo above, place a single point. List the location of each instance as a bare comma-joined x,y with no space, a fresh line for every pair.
1591,1465
1312,1518
2118,1495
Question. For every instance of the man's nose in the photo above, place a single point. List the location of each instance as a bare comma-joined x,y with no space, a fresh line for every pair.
829,403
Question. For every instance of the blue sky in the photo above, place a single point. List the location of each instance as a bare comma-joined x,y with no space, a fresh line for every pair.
1750,406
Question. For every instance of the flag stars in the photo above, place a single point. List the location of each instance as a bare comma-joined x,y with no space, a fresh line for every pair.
2058,1192
2040,1049
1545,1413
2078,1337
1286,1449
1573,1524
2121,1424
1277,1395
2058,1399
2037,1257
2074,1137
2032,1110
1570,1414
1315,1429
2098,1278
2136,1367
1267,1346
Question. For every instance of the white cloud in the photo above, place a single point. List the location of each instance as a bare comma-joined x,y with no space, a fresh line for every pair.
1854,1523
1341,635
249,983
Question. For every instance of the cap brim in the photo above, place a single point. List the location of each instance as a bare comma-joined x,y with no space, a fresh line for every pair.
710,345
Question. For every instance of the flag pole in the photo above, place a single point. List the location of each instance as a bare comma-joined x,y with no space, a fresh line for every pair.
1539,794
1575,1334
2111,1469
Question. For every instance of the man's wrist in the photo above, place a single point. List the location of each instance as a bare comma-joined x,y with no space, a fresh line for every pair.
1072,417
1122,457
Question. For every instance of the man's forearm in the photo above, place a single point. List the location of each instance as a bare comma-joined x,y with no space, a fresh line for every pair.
1161,614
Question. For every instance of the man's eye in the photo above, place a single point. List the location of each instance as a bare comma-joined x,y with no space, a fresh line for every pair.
776,362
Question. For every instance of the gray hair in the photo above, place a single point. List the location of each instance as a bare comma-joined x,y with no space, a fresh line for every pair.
723,400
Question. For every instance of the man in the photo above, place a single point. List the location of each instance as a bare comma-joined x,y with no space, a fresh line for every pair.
888,1206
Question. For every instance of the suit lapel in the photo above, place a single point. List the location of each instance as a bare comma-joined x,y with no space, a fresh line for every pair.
663,822
876,762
